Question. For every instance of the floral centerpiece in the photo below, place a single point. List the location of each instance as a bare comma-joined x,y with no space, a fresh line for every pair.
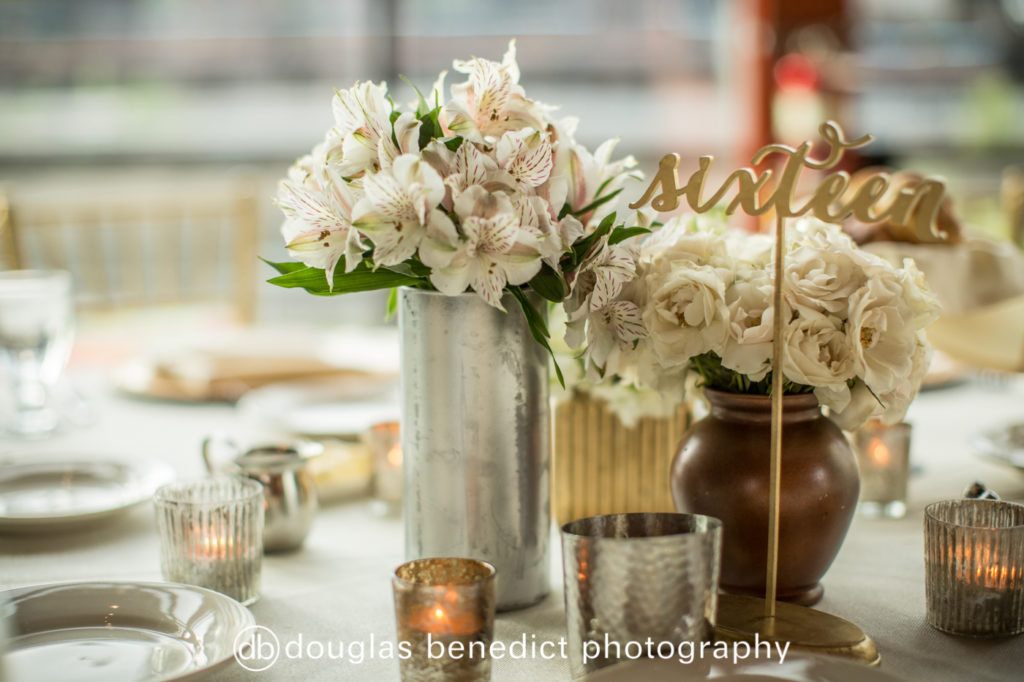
696,297
485,191
470,203
700,302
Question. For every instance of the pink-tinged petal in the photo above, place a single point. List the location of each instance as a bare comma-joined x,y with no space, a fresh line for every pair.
388,196
626,320
472,165
309,208
354,249
533,162
498,234
488,279
395,245
319,249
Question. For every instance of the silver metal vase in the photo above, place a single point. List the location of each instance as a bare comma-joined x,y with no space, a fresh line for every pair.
476,439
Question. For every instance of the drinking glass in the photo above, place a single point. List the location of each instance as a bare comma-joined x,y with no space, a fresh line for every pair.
36,329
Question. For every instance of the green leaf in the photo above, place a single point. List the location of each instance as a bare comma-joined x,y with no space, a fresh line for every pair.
582,247
621,234
362,278
421,104
283,268
538,328
411,268
431,127
549,284
596,203
453,143
392,304
566,210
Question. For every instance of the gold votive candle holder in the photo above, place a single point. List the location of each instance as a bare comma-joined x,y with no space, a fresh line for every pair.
974,567
883,456
444,611
211,534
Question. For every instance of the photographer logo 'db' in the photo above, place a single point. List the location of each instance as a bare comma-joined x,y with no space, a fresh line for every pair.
257,648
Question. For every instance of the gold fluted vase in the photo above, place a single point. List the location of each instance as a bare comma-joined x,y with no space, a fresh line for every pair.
602,466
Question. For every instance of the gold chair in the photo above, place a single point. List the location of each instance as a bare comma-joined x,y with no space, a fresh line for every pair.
139,243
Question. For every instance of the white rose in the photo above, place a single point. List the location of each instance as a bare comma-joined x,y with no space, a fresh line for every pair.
861,405
881,334
821,279
817,354
685,311
748,347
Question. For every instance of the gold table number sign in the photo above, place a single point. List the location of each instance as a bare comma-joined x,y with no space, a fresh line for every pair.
916,206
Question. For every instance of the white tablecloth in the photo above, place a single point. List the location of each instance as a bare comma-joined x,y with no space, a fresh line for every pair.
337,588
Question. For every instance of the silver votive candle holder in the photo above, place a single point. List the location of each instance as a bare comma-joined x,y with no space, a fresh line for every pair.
974,567
883,456
634,577
211,534
444,612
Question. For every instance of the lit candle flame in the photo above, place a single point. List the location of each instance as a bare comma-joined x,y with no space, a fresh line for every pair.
878,453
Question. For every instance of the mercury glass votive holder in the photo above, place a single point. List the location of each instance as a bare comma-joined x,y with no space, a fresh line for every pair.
630,578
974,567
444,612
883,456
211,534
388,481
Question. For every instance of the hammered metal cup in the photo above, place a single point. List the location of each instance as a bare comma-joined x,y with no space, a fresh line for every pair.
634,577
974,567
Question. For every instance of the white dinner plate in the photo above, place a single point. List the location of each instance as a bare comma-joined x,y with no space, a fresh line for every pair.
322,408
1004,444
796,667
57,492
129,632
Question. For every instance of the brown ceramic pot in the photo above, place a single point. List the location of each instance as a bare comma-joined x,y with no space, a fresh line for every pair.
721,470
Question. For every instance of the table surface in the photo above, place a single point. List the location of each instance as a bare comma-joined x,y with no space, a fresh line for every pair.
337,588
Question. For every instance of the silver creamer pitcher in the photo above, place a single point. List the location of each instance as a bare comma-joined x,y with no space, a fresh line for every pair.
288,489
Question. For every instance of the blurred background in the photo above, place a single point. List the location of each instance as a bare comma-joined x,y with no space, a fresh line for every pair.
132,98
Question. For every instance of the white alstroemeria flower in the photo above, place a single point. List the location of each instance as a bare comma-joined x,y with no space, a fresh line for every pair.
490,252
407,132
589,174
470,167
491,101
611,331
399,204
526,156
362,116
318,229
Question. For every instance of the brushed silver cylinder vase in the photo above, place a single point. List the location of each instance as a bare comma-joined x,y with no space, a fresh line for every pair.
476,439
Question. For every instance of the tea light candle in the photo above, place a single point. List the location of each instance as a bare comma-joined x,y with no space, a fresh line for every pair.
385,442
883,456
974,567
444,612
211,534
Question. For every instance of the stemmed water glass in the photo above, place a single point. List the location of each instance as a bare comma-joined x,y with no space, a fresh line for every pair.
36,329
